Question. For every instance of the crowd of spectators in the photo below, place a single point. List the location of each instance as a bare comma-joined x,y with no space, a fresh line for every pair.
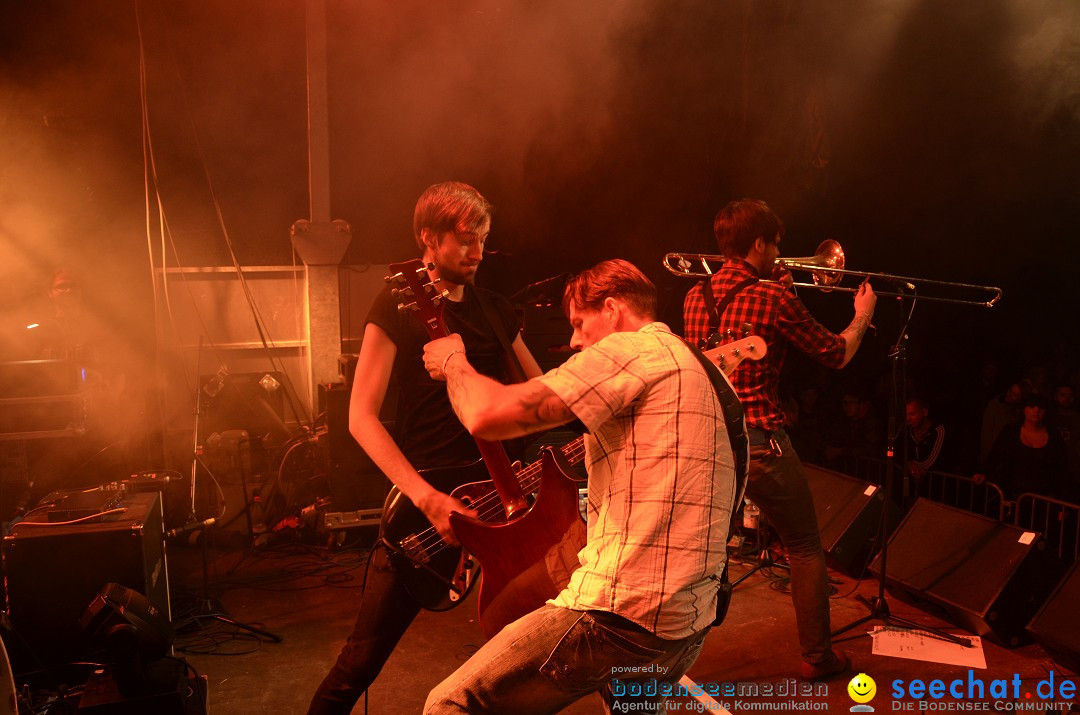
1018,429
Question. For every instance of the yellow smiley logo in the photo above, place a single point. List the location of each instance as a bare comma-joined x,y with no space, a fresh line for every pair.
862,688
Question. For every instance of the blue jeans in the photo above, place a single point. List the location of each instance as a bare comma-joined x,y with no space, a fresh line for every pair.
778,485
553,656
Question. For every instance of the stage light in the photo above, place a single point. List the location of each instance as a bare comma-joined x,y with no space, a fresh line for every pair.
131,629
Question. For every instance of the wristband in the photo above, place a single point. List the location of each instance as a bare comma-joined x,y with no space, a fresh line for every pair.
449,355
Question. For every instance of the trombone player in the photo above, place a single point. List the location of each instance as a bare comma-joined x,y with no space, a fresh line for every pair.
751,287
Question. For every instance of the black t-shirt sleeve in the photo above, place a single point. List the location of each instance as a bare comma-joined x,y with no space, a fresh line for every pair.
427,431
384,313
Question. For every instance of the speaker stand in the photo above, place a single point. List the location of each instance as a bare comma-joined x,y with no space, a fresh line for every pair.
878,605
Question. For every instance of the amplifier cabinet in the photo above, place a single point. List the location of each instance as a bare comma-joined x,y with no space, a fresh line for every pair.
53,572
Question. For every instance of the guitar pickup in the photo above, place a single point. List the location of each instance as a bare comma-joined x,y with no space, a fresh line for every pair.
414,550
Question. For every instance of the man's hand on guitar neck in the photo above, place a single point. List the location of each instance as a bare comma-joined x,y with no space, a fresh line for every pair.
437,507
438,352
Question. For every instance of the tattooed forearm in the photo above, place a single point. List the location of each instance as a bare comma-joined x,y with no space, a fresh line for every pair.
491,410
853,335
458,375
858,326
540,408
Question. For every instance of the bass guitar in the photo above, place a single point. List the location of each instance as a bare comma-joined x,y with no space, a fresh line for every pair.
442,575
539,544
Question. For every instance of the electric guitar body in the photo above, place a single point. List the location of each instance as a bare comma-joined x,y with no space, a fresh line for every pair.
529,559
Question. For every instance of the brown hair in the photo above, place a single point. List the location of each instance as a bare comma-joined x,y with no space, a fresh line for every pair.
742,222
449,206
611,279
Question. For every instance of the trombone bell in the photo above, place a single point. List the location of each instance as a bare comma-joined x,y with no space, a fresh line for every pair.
829,255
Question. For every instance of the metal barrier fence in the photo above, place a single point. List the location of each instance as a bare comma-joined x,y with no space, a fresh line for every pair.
961,492
964,493
1058,521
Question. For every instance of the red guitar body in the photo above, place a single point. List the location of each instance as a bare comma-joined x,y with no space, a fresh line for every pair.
528,560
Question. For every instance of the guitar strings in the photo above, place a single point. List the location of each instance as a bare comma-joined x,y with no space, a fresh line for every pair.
489,506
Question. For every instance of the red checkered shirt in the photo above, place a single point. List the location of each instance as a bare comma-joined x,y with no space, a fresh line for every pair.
779,318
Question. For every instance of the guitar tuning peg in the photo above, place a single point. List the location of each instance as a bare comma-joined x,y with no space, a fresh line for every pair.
399,293
729,334
746,329
396,277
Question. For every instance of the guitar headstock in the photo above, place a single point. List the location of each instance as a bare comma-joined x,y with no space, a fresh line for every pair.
416,292
729,355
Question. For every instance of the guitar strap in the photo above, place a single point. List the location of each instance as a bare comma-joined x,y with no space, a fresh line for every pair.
740,449
514,371
714,309
736,425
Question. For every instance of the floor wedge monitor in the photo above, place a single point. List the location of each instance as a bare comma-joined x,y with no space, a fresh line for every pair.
849,515
985,576
1056,626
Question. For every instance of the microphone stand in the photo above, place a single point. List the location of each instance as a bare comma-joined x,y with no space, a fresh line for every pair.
205,605
878,605
764,559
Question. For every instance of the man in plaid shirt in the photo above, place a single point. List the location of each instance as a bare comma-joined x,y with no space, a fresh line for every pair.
748,234
661,490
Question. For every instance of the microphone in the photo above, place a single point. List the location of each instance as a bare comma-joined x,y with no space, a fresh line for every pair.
173,533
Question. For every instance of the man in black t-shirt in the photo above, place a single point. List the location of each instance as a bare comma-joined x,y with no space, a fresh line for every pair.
451,223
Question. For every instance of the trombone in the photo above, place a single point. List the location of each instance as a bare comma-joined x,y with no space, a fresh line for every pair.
826,268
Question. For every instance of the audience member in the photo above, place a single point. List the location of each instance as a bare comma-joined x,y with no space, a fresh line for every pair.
1001,411
1065,419
926,439
805,425
1028,457
858,434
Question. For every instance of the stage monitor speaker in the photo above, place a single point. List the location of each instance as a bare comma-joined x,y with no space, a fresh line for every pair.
849,516
985,576
53,573
355,482
1056,626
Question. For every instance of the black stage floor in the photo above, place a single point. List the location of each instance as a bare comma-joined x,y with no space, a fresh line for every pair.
307,595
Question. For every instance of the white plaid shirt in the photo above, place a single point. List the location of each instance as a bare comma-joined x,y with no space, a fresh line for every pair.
661,481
